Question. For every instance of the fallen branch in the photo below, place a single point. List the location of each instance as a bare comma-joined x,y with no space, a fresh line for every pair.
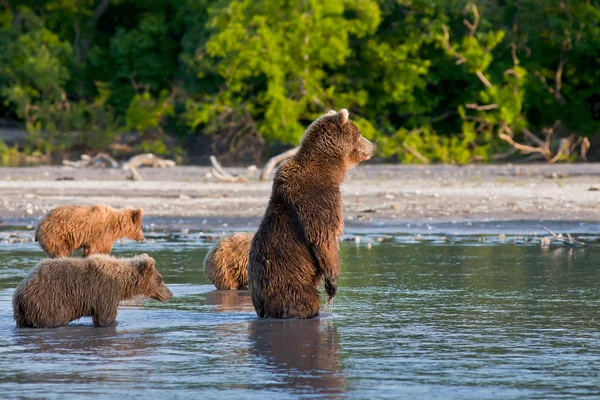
104,160
534,157
415,153
574,144
503,156
534,138
523,148
569,241
563,149
585,147
227,178
148,159
135,175
99,160
273,162
219,173
217,166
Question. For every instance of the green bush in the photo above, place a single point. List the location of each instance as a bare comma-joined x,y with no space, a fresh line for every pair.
430,81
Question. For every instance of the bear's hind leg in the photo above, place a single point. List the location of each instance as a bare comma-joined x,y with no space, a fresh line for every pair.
62,254
89,250
103,319
259,305
295,303
58,251
21,320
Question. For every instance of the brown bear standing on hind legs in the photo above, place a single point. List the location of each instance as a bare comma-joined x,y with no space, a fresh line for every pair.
226,264
92,228
58,291
296,245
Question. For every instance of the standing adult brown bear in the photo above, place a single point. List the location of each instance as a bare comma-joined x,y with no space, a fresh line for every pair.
296,245
91,228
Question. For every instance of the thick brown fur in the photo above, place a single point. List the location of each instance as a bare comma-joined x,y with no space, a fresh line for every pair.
296,245
226,264
91,228
60,290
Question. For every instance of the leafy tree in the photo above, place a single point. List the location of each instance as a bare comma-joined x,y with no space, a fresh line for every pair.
274,59
431,81
34,67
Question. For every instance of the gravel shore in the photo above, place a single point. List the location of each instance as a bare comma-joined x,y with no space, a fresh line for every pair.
373,194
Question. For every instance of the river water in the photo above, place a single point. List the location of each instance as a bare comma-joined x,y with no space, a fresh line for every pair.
465,317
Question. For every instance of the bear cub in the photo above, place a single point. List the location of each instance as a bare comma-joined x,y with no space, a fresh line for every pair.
296,245
226,264
91,228
60,290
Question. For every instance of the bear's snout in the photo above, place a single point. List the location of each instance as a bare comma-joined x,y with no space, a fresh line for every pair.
164,294
138,236
367,149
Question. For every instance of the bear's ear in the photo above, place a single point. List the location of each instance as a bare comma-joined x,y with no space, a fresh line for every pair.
342,117
136,216
145,263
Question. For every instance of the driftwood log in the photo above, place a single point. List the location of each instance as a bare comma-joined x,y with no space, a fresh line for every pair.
569,241
146,159
103,160
273,162
222,175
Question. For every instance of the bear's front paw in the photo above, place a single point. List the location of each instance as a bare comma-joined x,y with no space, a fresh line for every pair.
331,289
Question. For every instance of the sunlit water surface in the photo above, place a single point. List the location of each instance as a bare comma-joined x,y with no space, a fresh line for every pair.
460,317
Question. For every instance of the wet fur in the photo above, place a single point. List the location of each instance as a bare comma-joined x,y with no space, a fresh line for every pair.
226,264
296,246
60,290
91,228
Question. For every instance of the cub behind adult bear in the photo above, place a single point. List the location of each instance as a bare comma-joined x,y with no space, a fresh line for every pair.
91,228
296,245
226,264
60,290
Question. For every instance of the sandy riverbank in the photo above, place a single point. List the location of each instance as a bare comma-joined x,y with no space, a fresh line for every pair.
372,194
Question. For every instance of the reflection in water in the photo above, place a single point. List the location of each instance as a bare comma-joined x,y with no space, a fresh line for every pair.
230,300
452,320
78,354
84,340
304,354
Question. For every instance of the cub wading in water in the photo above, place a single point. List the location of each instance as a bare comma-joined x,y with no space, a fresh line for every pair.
60,290
296,245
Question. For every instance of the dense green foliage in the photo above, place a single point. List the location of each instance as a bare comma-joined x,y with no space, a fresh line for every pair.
431,81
